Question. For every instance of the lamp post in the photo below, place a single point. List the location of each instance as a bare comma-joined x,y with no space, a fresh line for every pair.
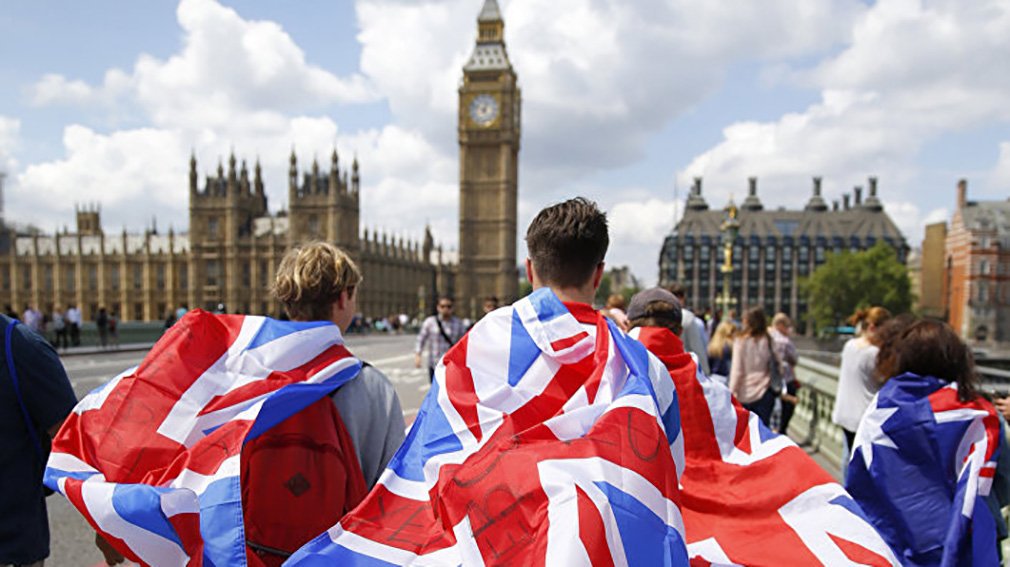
730,228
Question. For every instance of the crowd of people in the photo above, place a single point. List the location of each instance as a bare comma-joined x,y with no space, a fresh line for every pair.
891,358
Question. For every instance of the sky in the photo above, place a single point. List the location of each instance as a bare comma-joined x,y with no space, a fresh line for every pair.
623,102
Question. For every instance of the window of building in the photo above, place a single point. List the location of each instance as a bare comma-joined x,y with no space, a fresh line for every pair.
213,271
92,277
212,228
26,278
753,252
138,276
819,255
159,277
704,253
264,275
983,267
47,277
114,277
246,276
787,256
314,225
162,310
804,255
138,311
786,227
183,276
70,278
983,292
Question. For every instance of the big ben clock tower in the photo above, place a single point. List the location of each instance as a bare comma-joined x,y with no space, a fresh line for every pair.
489,103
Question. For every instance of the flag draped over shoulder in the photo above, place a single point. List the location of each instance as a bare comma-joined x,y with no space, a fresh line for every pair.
922,466
151,459
750,496
545,439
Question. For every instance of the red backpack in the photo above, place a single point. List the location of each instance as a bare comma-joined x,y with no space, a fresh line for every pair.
298,479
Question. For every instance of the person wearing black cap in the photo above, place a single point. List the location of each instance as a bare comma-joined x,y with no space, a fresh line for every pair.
654,316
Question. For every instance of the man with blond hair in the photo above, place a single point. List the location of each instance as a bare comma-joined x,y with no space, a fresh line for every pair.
319,282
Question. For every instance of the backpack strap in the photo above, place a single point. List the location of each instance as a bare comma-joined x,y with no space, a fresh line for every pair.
17,389
442,332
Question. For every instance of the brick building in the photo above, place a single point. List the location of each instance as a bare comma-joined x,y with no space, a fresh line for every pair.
977,269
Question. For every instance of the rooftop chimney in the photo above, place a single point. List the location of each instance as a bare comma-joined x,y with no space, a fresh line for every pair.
962,193
752,203
834,205
872,203
845,201
858,190
695,202
816,202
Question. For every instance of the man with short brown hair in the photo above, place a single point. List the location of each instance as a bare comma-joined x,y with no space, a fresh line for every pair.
438,333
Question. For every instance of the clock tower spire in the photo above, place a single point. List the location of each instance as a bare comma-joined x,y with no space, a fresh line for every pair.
489,128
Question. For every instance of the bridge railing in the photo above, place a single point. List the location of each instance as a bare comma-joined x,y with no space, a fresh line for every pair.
811,425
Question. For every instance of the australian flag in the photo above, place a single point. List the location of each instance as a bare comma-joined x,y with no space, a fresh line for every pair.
548,438
922,466
151,459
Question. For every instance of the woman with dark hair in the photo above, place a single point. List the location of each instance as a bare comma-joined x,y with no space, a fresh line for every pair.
858,379
926,449
750,375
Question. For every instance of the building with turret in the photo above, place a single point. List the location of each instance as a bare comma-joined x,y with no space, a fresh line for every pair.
228,257
233,244
774,248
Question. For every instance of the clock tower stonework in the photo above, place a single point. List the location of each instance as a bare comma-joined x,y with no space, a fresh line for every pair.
489,110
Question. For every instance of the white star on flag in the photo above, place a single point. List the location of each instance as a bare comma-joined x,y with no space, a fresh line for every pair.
871,431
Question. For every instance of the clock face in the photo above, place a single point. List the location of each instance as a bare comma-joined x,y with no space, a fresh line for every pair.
483,109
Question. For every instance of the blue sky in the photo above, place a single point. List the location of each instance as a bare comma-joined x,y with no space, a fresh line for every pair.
624,102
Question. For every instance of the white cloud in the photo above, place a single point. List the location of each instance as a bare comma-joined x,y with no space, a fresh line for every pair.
134,174
10,129
1000,175
913,73
637,228
228,69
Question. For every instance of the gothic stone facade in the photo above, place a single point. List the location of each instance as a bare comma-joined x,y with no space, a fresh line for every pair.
774,248
489,107
229,256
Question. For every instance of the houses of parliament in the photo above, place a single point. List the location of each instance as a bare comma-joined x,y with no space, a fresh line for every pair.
234,243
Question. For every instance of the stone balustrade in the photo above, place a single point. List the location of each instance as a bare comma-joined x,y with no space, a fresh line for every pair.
811,425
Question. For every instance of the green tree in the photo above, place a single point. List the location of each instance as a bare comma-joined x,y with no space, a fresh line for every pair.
852,280
604,291
525,288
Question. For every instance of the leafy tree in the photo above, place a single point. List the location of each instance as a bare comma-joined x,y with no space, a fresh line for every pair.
604,291
525,288
848,281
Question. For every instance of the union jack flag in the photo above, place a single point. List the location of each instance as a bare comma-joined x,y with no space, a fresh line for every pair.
548,437
922,467
151,459
750,496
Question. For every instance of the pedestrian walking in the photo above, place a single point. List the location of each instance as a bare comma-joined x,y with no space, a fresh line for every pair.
858,380
754,373
102,324
541,402
73,318
59,324
35,398
438,333
297,441
926,450
720,351
785,352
